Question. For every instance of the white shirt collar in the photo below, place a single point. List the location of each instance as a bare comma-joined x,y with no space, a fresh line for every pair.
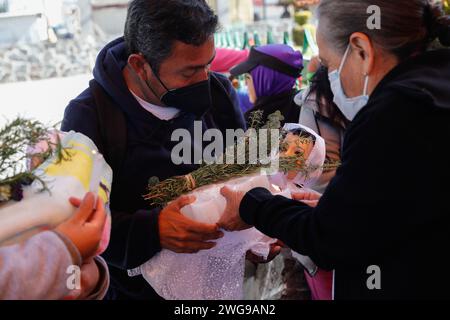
163,113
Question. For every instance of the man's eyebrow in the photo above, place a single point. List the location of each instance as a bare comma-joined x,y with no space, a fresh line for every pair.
202,66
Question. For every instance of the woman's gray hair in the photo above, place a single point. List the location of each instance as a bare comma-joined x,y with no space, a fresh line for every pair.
407,26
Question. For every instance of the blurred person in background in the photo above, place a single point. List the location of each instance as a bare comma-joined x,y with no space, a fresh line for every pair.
271,73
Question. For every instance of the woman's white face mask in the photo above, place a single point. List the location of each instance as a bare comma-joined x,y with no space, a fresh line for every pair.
348,106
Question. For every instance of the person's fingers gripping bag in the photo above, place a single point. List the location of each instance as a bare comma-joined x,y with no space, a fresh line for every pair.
81,169
214,274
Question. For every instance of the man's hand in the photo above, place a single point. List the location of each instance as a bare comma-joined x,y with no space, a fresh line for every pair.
307,196
183,235
230,219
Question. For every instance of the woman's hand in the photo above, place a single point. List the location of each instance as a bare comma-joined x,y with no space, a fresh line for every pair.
230,219
85,227
307,196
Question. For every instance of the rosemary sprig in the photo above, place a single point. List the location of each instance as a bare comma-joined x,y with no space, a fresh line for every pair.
162,192
15,137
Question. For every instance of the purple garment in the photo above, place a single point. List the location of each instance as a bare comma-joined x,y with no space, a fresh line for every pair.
283,53
269,82
244,100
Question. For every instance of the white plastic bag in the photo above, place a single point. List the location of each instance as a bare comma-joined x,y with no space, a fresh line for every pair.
214,274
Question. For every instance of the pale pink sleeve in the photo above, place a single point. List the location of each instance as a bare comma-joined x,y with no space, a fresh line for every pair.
36,268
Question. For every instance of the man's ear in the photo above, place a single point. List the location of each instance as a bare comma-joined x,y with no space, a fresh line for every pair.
363,47
138,63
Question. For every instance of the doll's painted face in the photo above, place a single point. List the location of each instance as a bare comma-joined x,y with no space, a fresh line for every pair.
297,142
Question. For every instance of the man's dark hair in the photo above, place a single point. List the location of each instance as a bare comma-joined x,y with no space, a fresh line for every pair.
152,26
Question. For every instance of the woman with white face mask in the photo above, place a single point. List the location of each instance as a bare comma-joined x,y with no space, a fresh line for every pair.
383,223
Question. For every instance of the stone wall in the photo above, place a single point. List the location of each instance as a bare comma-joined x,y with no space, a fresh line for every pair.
44,60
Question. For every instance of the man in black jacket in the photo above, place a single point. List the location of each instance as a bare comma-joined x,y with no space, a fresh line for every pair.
155,80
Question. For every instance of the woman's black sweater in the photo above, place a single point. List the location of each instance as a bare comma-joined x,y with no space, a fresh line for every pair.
389,205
